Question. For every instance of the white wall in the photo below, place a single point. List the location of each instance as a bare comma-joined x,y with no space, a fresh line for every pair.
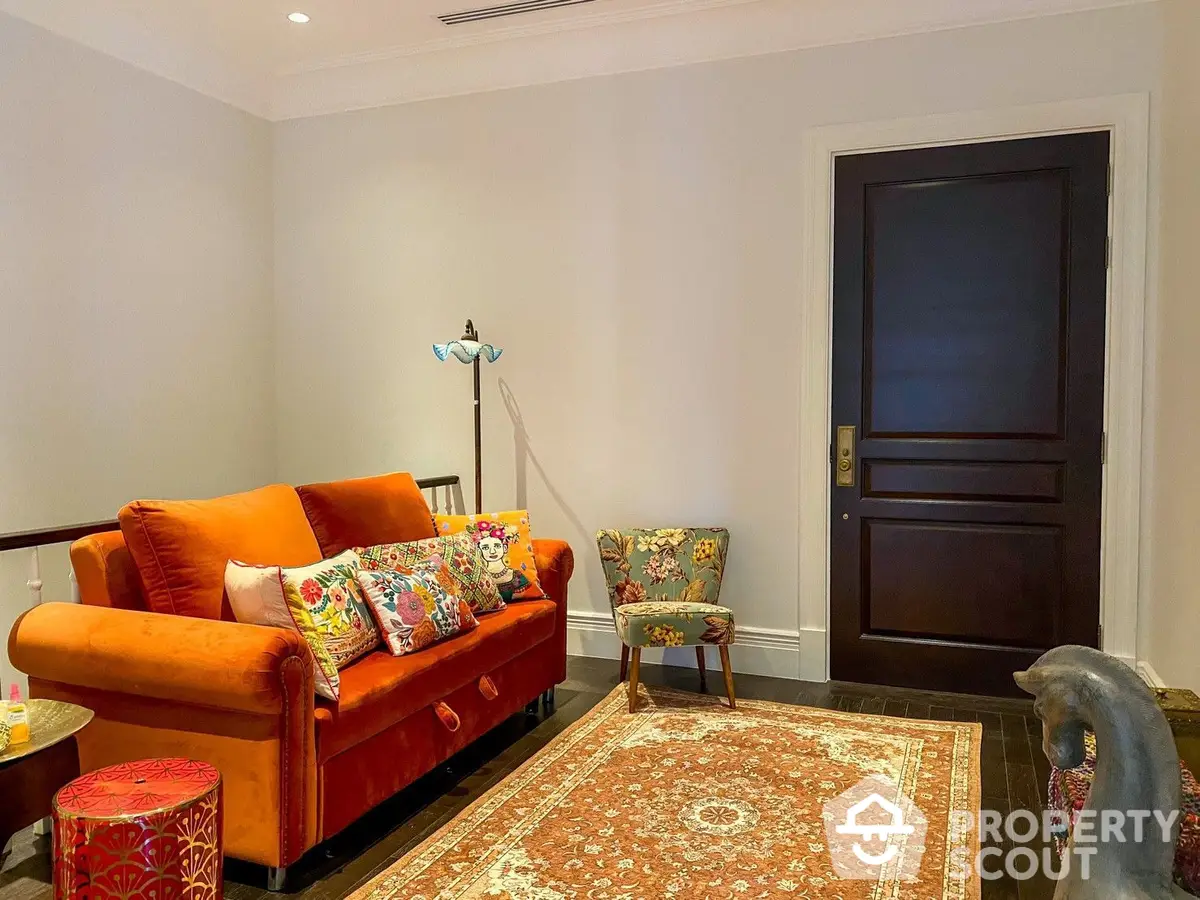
1170,625
136,340
633,242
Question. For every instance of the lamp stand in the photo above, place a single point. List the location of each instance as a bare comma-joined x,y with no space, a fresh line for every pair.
472,335
478,446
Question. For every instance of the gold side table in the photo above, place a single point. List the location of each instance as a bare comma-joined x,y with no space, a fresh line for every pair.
31,773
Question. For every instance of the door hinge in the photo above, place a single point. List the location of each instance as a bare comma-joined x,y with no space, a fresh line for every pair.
1100,637
831,453
1108,252
1104,449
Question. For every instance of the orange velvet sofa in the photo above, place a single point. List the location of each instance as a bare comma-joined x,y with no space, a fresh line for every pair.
154,651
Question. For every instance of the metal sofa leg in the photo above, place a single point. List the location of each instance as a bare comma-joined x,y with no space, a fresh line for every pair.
548,701
276,878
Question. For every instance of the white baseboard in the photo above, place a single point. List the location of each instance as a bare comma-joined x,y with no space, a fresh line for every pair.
758,651
1148,674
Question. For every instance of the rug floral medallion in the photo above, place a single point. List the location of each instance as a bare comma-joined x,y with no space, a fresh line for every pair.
686,799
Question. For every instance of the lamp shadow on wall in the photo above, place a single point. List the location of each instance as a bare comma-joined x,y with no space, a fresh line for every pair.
524,456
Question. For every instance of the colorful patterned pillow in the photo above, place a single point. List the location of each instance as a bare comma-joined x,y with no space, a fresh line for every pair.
505,545
416,606
458,550
322,603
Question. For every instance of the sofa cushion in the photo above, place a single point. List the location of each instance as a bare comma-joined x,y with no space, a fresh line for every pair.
181,546
105,572
323,603
416,607
363,512
458,551
380,689
505,544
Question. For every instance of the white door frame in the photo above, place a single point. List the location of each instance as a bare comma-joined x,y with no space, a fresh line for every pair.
1127,118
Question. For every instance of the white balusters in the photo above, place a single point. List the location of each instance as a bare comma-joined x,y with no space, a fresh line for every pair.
450,502
35,578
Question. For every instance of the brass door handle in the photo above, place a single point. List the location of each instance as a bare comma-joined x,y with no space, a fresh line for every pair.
845,456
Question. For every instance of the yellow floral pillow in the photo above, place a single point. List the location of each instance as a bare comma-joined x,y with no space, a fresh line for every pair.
323,603
505,544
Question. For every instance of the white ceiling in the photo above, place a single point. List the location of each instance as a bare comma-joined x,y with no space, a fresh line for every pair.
357,53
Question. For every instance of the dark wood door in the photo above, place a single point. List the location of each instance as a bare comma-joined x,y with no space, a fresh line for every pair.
968,356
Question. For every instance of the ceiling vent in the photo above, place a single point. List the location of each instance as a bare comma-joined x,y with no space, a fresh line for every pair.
508,9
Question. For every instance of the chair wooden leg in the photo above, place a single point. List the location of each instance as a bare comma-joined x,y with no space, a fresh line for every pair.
635,659
700,666
624,662
728,676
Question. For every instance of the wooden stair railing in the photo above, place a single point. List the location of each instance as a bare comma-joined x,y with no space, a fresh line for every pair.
62,534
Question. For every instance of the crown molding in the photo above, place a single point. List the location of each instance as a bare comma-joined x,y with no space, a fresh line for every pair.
576,22
661,34
665,35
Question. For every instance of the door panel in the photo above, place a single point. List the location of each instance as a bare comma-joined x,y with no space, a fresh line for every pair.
968,352
1013,601
997,482
989,353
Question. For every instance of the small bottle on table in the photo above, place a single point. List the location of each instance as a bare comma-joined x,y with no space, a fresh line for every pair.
17,717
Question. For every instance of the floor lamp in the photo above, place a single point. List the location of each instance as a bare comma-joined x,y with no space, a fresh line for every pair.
467,349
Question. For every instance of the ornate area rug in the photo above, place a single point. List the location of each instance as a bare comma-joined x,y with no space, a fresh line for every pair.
688,799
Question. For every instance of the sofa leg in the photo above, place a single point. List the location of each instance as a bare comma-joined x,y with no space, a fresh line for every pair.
548,701
531,708
276,878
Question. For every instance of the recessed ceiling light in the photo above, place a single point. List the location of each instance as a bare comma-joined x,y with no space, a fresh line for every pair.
299,18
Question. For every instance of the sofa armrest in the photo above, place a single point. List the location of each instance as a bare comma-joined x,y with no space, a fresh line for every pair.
555,563
223,665
237,696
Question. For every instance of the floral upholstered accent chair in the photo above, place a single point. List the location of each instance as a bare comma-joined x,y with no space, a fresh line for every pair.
663,584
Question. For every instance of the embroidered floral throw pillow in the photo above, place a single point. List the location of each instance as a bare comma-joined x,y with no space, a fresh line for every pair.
416,606
505,544
457,550
323,603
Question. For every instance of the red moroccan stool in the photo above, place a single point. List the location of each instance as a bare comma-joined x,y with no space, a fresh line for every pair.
140,830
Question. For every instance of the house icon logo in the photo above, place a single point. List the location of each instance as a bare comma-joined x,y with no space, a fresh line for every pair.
875,832
880,831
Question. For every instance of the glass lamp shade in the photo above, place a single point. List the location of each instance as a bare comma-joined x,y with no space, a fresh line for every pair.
466,351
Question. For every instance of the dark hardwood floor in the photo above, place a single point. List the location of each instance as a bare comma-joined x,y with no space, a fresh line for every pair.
1013,768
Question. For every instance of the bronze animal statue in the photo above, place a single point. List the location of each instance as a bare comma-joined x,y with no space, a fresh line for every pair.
1078,689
